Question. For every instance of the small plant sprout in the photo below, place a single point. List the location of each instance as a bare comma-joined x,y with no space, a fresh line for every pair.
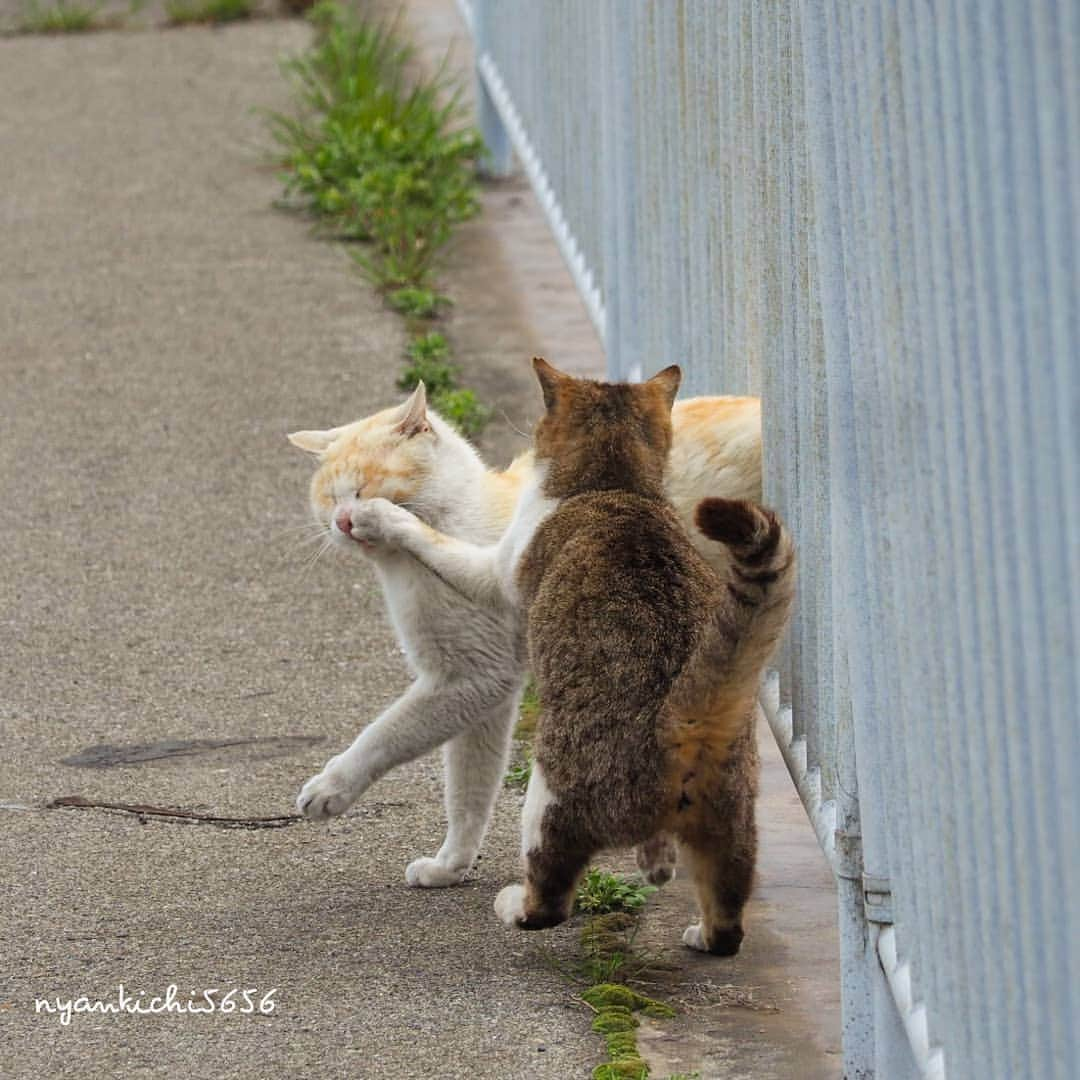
381,154
601,891
416,303
463,409
186,12
519,773
66,17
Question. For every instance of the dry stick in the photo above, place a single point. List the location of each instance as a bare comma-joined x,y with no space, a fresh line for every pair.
77,802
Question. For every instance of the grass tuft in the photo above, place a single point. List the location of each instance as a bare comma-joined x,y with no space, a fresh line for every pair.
188,12
600,892
66,17
518,774
463,409
528,712
384,156
379,153
416,303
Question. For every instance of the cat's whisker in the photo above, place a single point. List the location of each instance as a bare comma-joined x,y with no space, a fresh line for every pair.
313,559
306,542
514,427
313,527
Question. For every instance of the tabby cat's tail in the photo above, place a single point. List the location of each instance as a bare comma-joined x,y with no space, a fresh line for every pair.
762,576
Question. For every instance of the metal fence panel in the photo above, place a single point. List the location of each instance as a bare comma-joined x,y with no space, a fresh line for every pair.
869,213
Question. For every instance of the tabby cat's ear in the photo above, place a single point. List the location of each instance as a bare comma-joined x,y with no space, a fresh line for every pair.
315,442
550,380
667,382
413,418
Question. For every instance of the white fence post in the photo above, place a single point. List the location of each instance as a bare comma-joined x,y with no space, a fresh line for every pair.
499,162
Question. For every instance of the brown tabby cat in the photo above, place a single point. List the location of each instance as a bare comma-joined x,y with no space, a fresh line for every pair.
647,660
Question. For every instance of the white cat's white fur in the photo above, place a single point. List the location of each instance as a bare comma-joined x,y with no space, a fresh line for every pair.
468,660
482,575
455,615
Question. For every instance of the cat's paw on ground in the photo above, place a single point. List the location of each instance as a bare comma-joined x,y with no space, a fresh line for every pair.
510,904
725,942
325,795
432,874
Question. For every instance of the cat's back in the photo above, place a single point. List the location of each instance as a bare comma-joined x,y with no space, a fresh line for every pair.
616,594
715,450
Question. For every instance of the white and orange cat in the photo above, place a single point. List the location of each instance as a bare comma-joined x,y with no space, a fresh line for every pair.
469,658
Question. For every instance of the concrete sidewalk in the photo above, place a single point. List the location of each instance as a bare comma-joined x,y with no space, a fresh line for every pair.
162,328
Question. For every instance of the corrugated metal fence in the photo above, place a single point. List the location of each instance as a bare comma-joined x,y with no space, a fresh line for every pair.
869,212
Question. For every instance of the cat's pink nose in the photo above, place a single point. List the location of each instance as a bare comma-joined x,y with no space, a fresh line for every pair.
343,521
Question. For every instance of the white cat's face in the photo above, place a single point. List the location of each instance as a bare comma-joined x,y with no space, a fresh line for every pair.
388,455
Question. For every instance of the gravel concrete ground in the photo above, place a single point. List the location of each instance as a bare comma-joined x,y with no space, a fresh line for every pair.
161,328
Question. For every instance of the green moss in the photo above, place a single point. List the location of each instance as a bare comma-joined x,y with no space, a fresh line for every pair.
658,1010
628,1069
622,1044
607,934
614,1018
604,995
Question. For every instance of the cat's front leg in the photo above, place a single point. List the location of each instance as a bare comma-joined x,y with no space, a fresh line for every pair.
330,792
469,569
425,716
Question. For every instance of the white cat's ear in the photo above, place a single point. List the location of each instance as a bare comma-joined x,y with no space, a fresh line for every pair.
413,418
314,442
667,382
550,379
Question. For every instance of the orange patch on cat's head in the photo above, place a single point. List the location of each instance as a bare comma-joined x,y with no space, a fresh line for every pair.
388,455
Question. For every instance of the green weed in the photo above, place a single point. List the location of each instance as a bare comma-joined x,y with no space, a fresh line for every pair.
382,155
428,347
600,892
66,17
416,303
463,409
186,12
519,773
429,363
437,375
528,712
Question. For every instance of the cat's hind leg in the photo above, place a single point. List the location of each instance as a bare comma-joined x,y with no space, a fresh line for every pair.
555,856
718,846
656,858
474,764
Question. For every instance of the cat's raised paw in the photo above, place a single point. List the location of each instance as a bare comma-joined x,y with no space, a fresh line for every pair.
432,874
324,796
373,521
510,904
